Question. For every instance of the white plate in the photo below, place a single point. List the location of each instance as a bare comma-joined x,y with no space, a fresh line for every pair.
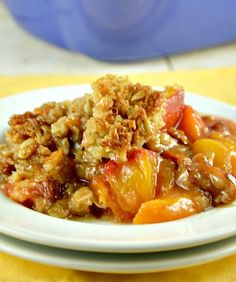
118,263
22,223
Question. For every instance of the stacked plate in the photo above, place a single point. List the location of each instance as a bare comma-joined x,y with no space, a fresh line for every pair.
107,247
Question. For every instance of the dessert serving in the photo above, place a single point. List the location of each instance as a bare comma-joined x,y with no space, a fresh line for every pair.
125,151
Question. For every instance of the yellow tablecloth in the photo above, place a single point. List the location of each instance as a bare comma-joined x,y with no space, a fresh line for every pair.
215,83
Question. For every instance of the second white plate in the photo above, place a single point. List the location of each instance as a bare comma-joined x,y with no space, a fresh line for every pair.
118,263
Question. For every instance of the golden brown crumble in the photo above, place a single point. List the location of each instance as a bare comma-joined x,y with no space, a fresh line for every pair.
124,117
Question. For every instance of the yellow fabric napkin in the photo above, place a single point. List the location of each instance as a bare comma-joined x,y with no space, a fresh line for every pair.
215,83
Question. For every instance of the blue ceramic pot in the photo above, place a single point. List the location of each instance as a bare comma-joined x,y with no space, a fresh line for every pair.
124,30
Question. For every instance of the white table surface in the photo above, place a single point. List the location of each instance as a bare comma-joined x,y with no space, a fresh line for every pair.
21,53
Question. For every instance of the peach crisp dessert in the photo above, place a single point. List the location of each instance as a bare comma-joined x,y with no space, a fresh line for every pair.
128,151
